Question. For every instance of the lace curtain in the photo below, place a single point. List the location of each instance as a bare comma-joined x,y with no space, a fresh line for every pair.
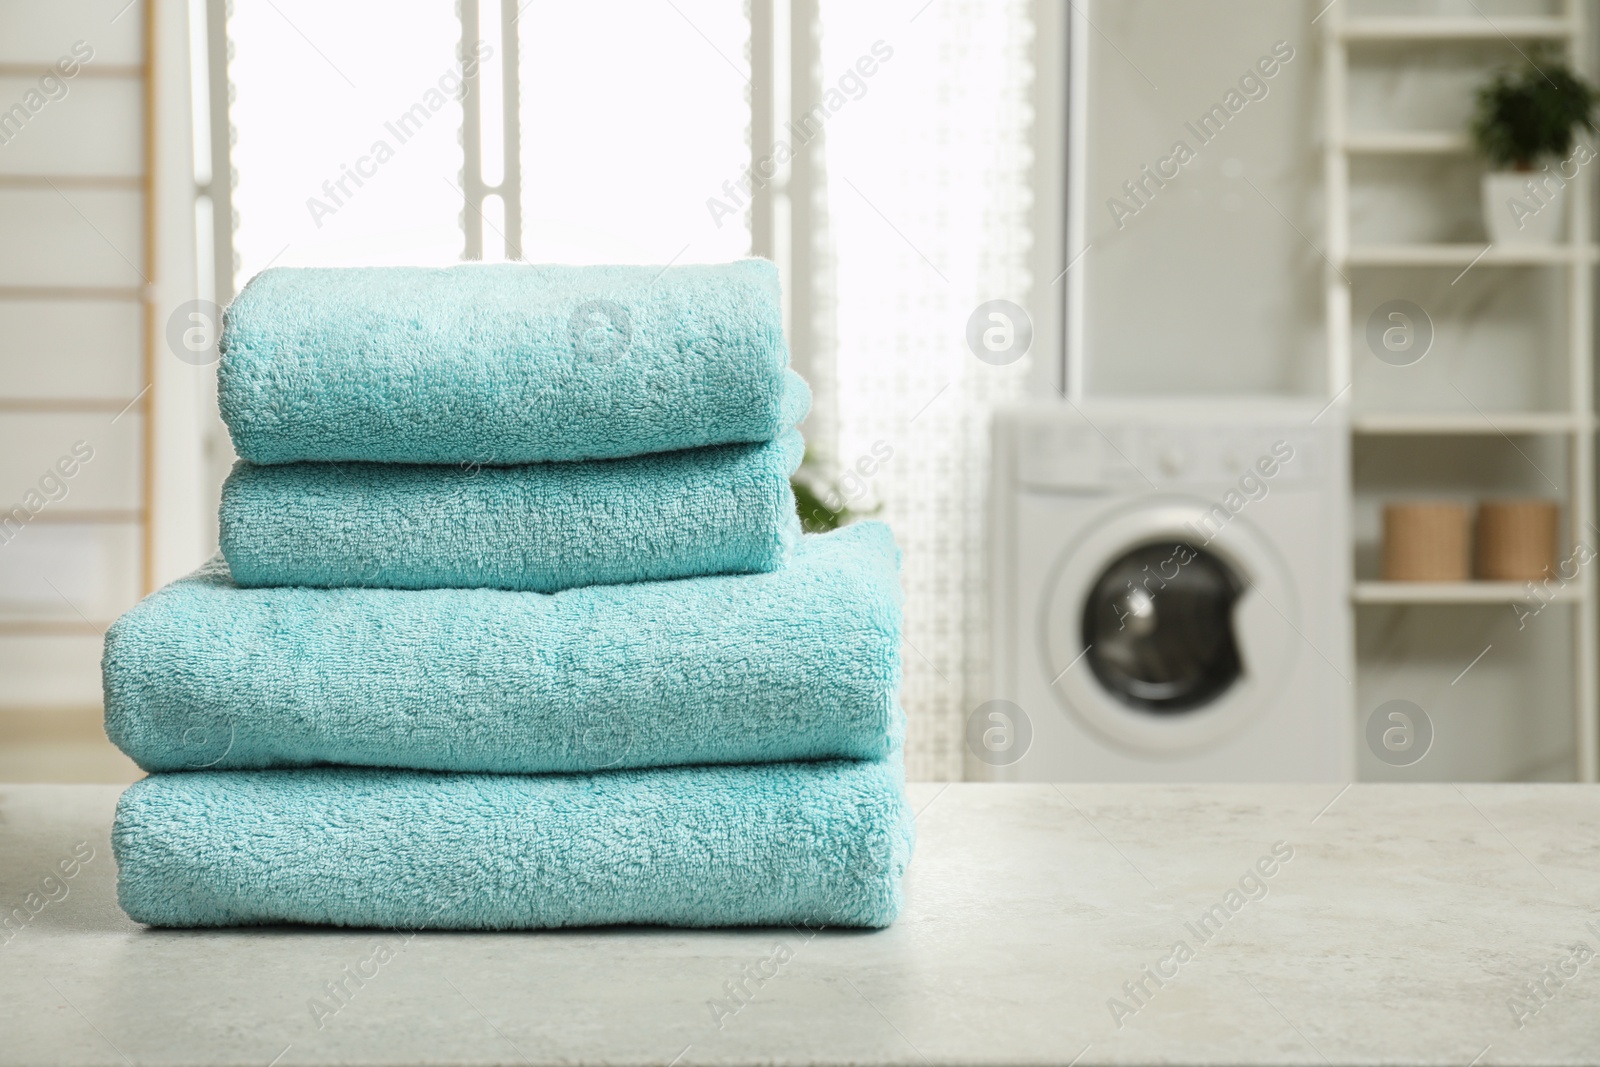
927,201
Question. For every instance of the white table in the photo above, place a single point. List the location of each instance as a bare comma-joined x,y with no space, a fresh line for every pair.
1396,934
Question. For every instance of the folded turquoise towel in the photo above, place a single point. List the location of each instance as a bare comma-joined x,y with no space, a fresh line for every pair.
818,843
727,509
505,363
799,663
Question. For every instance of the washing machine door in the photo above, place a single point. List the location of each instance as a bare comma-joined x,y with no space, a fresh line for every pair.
1158,627
1166,634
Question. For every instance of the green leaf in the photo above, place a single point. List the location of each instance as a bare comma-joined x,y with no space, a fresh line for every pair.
815,516
1531,113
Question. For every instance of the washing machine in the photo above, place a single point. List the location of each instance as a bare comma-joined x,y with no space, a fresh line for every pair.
1169,595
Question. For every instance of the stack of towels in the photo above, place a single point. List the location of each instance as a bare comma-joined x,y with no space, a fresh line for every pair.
514,625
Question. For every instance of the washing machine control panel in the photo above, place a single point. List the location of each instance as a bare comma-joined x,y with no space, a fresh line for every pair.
1080,456
1173,460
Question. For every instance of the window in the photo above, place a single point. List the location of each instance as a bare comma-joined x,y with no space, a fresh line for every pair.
626,136
346,145
901,200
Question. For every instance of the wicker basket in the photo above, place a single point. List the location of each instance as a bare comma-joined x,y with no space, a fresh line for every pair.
1426,541
1517,539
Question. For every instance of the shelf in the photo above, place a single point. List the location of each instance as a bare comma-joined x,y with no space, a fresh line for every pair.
87,70
1453,423
91,516
1453,255
72,292
1407,143
133,182
1459,593
52,627
1439,28
56,405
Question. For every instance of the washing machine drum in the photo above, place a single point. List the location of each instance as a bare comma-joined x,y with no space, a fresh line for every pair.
1165,644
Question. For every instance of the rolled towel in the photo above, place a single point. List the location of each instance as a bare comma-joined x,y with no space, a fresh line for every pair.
817,843
727,509
800,663
505,363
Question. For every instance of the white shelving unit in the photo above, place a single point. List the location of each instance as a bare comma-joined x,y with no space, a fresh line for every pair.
1453,593
1441,28
1571,425
1462,424
1407,143
1466,255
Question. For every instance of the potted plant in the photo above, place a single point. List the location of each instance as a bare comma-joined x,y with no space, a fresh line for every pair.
823,505
1525,125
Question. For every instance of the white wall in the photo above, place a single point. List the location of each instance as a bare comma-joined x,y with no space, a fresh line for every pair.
1211,286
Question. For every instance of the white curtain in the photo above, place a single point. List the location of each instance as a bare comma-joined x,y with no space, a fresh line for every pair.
927,201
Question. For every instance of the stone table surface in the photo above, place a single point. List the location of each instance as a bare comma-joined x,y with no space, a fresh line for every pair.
1397,924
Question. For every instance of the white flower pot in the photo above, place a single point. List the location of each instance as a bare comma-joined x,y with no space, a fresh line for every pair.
1516,214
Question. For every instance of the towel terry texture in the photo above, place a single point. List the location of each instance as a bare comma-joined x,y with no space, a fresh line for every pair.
800,663
818,843
514,626
505,363
727,509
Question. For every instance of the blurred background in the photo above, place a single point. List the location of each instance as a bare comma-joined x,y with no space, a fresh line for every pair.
1066,276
